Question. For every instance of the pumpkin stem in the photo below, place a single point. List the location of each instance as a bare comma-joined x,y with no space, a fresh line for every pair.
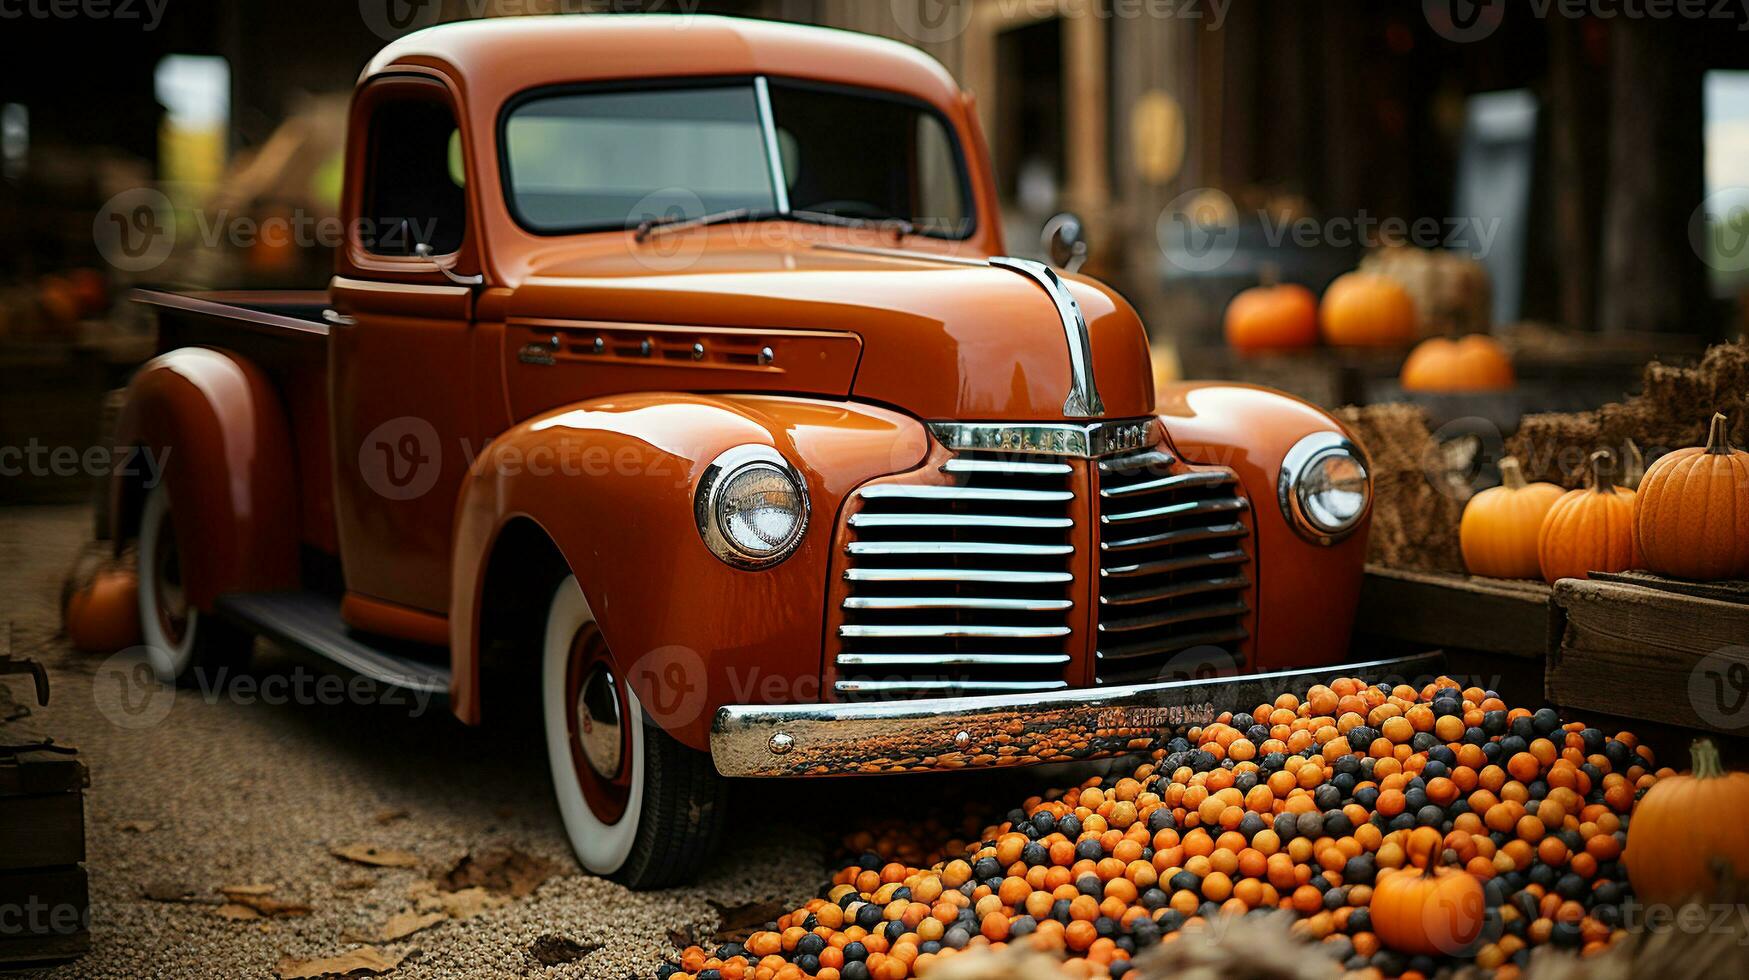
1718,439
1602,464
1704,756
1511,474
1268,273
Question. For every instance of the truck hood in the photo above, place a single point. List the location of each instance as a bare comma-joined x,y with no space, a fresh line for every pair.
941,340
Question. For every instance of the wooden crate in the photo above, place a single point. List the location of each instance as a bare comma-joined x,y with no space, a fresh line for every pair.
1456,612
1638,646
42,825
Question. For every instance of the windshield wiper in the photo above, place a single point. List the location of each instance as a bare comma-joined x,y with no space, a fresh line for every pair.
899,226
675,222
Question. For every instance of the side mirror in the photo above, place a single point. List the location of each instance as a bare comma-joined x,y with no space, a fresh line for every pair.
1063,243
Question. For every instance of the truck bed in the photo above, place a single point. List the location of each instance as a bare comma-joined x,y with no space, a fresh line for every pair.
263,311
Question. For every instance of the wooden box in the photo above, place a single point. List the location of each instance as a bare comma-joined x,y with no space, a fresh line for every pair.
42,844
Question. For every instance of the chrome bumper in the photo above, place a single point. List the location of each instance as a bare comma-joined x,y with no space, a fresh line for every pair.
1006,730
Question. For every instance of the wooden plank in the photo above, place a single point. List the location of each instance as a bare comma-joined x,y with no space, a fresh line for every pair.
42,831
1456,612
50,916
1725,591
1652,654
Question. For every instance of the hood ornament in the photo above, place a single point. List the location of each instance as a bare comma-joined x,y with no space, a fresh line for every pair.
1083,401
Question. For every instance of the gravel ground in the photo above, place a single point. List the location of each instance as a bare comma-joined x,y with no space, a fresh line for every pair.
220,793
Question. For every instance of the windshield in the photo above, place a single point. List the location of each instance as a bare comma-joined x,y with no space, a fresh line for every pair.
590,161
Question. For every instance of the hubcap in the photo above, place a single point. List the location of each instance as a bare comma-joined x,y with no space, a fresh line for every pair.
598,722
600,742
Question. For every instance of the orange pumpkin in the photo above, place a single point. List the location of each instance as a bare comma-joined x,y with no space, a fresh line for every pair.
1691,518
1686,838
1366,310
1435,910
1471,363
1498,532
103,615
1272,318
1590,529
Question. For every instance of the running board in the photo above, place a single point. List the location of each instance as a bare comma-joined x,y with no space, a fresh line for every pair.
311,622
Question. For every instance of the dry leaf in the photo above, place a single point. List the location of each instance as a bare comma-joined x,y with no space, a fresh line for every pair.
365,959
386,817
554,950
380,857
236,912
167,890
356,884
400,926
138,826
470,902
259,899
737,922
499,870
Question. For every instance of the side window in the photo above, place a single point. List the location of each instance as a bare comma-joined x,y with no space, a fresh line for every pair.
413,185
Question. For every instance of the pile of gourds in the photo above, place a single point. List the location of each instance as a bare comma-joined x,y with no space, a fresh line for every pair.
1406,829
1689,518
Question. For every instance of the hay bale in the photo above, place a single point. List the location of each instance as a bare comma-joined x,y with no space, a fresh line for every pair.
1670,412
1414,521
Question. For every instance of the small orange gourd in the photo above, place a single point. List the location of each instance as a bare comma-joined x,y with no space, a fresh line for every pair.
1590,529
1498,532
1473,362
1434,910
1687,838
1691,518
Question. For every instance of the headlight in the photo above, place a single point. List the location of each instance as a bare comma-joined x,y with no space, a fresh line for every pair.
1324,487
751,507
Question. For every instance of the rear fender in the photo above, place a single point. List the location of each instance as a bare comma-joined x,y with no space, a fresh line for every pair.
215,429
610,482
1306,593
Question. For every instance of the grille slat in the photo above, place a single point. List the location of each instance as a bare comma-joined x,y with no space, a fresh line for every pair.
964,577
1174,574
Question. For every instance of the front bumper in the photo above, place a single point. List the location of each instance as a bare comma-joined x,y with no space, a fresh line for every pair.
1007,730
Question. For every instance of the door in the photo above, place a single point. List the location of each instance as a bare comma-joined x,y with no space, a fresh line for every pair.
402,341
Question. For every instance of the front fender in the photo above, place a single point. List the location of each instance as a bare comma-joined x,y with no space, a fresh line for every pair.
1306,593
216,424
611,482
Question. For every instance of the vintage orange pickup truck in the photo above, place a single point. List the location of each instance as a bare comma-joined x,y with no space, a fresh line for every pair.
673,368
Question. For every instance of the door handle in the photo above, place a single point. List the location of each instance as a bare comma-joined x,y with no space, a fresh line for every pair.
338,318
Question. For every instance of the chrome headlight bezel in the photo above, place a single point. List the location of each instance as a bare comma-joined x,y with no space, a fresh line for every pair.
707,496
1293,486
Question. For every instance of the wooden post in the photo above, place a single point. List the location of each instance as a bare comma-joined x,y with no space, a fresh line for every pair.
1652,278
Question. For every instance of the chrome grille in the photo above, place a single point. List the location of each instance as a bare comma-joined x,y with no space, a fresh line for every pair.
964,585
1173,567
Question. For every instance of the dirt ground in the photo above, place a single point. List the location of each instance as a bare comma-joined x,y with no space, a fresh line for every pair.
190,794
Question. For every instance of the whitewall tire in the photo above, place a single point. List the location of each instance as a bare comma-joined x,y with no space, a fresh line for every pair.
179,639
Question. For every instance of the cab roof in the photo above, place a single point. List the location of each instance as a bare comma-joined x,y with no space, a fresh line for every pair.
494,59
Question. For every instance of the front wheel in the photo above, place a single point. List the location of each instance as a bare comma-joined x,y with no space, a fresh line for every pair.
638,806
